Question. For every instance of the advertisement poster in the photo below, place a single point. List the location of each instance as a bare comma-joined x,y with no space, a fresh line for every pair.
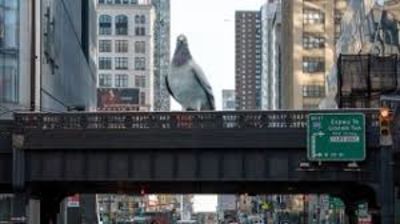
117,99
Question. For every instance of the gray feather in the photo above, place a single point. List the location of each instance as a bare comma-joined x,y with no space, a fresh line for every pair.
201,78
169,88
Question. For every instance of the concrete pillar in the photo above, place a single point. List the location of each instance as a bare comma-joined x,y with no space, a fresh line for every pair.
19,208
33,211
49,209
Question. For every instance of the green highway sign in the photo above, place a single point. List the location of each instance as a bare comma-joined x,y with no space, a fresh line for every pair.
336,137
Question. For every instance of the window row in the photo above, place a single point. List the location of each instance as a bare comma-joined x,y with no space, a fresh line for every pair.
121,63
121,46
121,25
126,2
313,91
313,16
313,65
313,40
120,81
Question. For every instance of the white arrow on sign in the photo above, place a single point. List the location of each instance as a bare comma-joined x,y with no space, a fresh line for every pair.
314,142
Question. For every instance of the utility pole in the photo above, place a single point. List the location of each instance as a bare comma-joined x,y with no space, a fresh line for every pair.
386,194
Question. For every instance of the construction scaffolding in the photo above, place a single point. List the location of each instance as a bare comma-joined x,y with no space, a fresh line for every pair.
363,79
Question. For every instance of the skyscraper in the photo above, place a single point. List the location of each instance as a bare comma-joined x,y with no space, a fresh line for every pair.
125,56
248,60
228,99
309,33
271,88
37,71
161,54
155,96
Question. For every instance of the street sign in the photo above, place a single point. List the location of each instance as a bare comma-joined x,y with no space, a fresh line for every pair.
73,201
336,137
365,220
336,203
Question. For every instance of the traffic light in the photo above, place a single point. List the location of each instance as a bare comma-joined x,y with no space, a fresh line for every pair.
385,119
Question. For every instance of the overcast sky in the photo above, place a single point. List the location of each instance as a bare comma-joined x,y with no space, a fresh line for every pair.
209,27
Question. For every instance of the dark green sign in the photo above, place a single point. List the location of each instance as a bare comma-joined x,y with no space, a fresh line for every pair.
336,137
336,203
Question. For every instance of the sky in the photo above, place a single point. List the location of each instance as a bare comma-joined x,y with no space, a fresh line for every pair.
209,28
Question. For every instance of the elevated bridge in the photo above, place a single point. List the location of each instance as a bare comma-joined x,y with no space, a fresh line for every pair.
50,156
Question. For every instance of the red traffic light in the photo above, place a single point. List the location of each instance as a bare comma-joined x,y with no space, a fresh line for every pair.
385,117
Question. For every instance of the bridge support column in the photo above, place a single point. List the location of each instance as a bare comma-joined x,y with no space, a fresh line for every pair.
351,212
20,200
49,209
19,207
386,190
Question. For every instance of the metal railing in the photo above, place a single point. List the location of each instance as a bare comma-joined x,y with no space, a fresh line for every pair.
175,120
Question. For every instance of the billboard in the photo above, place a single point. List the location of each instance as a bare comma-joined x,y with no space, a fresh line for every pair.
118,99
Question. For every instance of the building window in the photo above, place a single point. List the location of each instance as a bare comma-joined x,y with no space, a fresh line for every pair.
140,47
117,1
126,2
121,63
101,1
140,81
105,80
313,40
308,106
9,81
140,19
121,25
105,25
140,31
143,19
9,54
313,65
121,80
105,63
140,63
121,46
104,45
142,98
313,91
338,16
313,16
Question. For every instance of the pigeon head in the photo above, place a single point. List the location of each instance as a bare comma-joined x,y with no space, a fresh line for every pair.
182,53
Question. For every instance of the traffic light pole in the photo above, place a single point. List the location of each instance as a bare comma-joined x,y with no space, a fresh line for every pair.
386,193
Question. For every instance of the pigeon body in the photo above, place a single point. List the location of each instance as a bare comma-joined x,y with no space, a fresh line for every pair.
186,81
